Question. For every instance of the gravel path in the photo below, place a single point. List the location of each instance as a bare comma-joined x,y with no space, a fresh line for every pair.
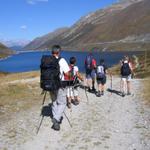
109,122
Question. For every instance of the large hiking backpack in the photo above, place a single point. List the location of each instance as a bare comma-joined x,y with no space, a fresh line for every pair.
100,72
50,73
125,69
89,62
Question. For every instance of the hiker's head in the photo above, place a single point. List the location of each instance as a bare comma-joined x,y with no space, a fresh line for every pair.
101,61
72,60
56,49
126,58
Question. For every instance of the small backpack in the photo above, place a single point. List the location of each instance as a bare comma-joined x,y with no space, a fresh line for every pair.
50,73
71,75
125,69
71,72
89,62
100,72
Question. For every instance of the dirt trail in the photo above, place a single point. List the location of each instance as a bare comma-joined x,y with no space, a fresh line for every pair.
109,122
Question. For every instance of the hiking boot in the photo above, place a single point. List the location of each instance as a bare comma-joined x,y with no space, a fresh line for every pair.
93,90
56,124
98,94
89,90
128,93
123,94
102,93
75,102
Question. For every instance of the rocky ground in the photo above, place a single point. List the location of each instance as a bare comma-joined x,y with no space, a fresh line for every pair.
109,122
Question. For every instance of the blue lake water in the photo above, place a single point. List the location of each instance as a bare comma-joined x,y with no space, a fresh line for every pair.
30,61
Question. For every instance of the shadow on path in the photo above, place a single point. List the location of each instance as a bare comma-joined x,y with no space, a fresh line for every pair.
115,92
45,112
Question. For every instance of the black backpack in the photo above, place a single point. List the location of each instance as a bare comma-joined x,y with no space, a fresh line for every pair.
125,69
50,73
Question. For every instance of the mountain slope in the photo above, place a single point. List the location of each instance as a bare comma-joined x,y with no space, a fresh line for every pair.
38,42
4,51
121,26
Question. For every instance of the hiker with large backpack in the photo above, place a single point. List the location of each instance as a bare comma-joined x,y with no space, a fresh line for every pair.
126,75
53,69
72,90
90,70
101,77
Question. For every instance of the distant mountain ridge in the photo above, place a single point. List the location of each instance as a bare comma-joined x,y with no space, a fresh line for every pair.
124,25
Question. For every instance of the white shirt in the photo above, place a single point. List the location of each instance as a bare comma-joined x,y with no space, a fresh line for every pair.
64,68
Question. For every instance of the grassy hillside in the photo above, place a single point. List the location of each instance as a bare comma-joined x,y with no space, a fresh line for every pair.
118,27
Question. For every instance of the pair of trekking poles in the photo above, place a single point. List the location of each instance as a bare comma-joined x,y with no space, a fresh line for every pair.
44,98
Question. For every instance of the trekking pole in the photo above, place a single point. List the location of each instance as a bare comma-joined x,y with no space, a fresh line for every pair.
68,120
111,83
43,92
39,125
44,97
86,95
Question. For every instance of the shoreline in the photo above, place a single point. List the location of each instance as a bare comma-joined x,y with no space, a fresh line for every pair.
41,51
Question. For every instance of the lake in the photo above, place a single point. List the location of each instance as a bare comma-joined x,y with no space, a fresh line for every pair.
30,61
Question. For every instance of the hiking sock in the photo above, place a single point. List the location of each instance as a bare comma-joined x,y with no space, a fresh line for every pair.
123,94
128,93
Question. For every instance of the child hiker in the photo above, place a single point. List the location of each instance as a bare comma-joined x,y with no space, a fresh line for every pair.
72,92
101,77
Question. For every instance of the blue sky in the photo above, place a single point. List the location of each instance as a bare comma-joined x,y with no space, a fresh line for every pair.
28,19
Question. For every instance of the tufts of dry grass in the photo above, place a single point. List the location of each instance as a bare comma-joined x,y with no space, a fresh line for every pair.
146,93
20,95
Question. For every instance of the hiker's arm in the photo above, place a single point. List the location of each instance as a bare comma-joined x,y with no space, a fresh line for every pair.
132,69
108,72
79,76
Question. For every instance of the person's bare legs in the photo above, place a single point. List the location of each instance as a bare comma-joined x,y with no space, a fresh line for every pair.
89,83
123,87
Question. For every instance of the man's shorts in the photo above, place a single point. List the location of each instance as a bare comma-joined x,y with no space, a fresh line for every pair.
126,78
90,74
101,80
